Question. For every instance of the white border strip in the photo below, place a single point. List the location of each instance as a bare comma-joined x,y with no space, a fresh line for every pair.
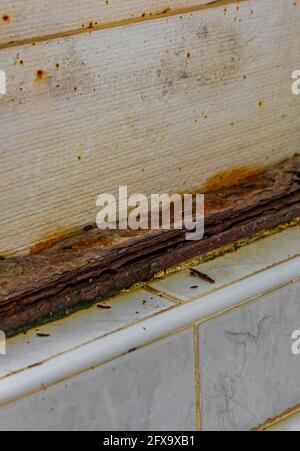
119,343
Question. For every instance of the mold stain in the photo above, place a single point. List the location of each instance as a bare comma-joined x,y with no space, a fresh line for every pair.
214,68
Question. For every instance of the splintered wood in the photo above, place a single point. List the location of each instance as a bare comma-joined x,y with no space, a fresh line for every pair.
95,264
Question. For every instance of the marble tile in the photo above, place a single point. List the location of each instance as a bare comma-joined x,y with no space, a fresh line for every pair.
149,389
248,371
80,328
233,267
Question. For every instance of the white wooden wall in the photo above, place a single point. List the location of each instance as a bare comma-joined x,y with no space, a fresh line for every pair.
158,105
35,19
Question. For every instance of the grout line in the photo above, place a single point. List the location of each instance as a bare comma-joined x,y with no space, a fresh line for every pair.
272,422
224,285
122,23
258,298
234,307
250,274
161,294
225,251
198,396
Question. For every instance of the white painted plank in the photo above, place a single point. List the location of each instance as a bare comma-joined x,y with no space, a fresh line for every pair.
159,106
30,19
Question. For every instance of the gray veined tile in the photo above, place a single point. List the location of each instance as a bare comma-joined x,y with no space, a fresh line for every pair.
150,389
248,371
90,324
232,267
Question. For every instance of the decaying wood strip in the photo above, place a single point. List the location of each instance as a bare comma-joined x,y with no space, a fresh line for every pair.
159,106
94,263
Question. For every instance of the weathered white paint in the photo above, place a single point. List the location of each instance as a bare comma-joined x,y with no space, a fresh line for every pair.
30,19
159,106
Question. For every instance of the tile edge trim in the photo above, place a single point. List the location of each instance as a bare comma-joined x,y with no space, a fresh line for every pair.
118,344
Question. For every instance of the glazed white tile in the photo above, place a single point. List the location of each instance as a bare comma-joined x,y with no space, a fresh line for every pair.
150,389
82,327
248,371
291,424
72,361
232,267
112,346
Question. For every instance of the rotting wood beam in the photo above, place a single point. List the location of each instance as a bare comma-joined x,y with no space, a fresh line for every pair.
94,264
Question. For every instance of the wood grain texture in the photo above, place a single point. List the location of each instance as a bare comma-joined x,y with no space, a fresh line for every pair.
160,106
33,19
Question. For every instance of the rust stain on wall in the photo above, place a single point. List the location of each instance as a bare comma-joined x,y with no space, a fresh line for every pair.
232,177
48,242
41,75
6,18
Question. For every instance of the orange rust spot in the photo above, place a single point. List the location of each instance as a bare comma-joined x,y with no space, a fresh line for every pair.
6,18
231,177
41,75
49,242
92,241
